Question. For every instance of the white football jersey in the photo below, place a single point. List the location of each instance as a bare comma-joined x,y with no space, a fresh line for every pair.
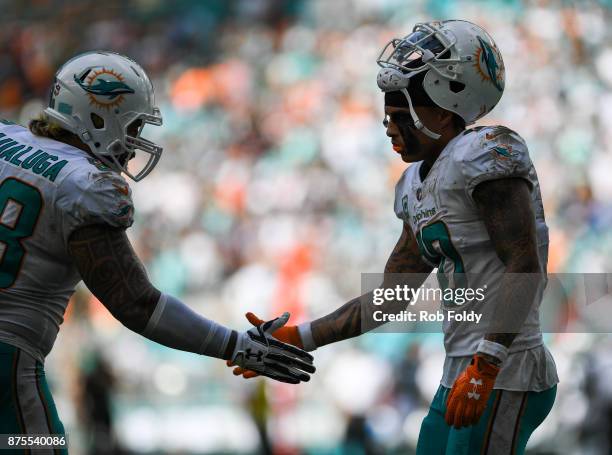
47,190
451,233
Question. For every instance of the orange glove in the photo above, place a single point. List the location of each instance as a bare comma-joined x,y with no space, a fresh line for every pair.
286,334
468,398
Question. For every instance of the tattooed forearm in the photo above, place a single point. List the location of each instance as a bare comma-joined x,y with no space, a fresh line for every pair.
113,273
505,206
518,293
342,324
346,322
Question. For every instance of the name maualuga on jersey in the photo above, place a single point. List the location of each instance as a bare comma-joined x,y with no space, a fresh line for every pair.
39,162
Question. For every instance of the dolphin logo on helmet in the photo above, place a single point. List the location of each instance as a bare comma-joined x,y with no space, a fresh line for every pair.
487,56
102,87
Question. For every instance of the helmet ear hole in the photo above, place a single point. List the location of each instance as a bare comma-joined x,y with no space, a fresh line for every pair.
98,122
456,87
116,147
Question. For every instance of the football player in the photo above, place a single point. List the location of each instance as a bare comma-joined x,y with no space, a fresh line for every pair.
471,206
64,209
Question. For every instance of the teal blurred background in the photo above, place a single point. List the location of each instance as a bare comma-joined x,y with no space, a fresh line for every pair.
275,192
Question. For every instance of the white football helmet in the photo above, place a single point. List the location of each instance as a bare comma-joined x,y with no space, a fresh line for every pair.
464,68
106,99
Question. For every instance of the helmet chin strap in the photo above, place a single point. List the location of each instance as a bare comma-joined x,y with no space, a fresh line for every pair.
417,122
390,80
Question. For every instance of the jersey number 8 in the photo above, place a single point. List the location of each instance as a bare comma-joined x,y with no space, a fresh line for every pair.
20,206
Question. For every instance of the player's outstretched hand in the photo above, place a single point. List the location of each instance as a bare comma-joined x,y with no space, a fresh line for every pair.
287,334
257,352
468,398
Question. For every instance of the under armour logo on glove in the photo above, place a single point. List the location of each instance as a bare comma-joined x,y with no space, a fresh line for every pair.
474,394
249,354
468,398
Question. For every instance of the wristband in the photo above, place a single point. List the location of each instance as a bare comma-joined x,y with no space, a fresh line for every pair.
499,351
305,331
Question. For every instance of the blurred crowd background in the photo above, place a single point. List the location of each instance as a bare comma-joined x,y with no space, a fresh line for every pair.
275,192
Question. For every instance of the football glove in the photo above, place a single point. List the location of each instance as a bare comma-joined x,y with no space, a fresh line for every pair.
257,351
468,398
287,334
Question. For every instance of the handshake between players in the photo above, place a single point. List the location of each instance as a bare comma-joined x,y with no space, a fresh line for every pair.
262,354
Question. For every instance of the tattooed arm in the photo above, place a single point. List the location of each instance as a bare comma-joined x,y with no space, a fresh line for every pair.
346,322
113,273
506,208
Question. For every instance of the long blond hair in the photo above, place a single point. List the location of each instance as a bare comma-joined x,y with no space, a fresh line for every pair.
41,126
